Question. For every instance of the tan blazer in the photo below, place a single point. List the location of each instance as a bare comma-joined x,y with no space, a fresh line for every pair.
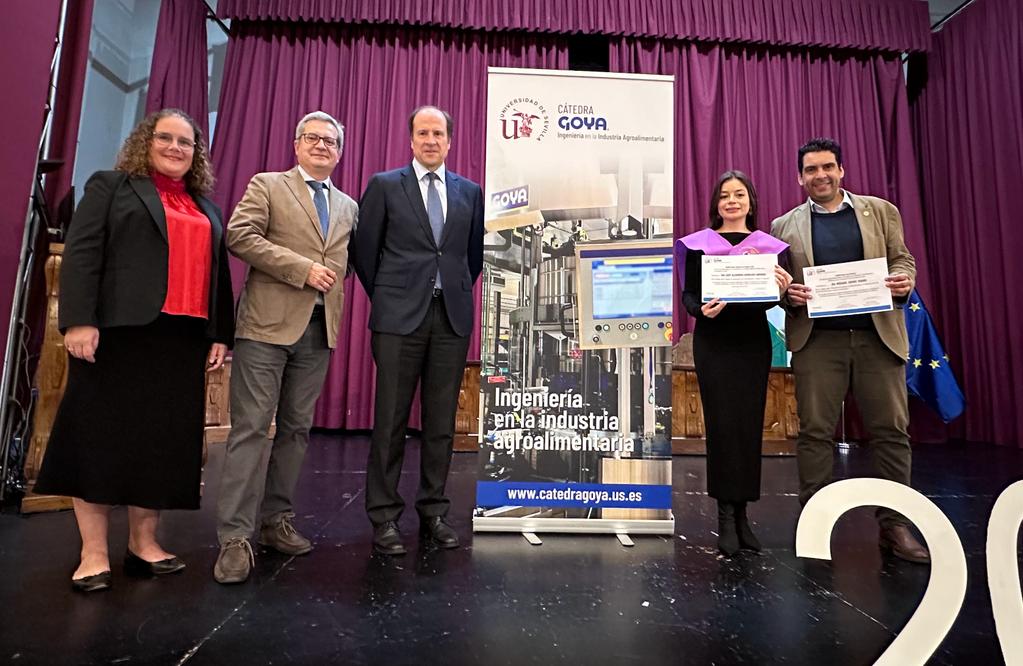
275,230
881,228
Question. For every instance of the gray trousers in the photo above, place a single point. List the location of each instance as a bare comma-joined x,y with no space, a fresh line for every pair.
259,476
829,365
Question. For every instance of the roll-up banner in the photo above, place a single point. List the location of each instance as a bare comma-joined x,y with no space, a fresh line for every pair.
575,407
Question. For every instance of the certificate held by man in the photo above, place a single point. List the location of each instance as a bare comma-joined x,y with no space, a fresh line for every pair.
741,278
854,287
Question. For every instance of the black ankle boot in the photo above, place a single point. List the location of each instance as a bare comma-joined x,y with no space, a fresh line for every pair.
728,538
747,539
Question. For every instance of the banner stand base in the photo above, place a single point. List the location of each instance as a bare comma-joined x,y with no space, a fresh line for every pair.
573,525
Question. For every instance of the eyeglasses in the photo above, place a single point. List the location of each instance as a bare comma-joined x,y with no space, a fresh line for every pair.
312,139
166,139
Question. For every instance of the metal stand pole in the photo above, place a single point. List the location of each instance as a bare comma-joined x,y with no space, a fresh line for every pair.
843,444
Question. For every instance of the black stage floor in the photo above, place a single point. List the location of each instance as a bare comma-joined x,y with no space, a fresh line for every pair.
497,599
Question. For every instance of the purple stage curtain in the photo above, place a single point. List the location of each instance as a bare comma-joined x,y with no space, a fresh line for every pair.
28,37
885,25
750,108
369,78
969,124
67,111
179,75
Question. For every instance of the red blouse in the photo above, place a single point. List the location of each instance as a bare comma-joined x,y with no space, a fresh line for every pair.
189,250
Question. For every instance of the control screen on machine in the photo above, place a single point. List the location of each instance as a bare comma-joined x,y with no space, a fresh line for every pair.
625,294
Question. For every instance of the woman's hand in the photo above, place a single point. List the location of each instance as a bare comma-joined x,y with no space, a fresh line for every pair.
218,351
713,309
82,341
782,277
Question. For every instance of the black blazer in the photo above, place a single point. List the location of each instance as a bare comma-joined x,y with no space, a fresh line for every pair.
397,259
114,271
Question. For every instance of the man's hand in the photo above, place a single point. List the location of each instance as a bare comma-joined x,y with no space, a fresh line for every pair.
900,284
82,341
798,294
321,278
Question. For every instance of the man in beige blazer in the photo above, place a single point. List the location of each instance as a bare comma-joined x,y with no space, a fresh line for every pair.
864,352
292,229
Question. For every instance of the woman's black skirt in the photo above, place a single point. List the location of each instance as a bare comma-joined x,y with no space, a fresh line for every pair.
129,429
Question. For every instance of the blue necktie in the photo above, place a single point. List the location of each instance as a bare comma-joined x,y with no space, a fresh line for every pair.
320,201
435,212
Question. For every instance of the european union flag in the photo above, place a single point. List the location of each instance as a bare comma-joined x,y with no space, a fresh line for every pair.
928,374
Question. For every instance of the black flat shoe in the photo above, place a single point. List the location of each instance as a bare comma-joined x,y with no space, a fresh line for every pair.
93,583
136,566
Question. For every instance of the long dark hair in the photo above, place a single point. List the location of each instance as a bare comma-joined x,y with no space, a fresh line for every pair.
715,196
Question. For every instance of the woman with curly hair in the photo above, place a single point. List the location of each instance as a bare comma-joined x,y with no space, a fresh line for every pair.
146,309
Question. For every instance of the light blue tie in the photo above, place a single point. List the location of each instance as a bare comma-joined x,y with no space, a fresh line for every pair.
435,212
320,201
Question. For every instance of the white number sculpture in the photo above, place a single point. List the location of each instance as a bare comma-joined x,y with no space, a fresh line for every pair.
947,586
1003,572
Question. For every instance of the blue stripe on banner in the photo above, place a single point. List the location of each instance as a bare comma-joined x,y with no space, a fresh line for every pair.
638,252
583,495
835,313
740,299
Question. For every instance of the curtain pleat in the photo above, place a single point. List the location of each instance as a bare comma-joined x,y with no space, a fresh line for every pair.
887,25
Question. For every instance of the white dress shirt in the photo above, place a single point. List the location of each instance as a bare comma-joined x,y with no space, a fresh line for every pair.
312,193
424,183
817,208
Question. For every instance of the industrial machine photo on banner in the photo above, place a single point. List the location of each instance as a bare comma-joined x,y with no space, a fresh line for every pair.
575,404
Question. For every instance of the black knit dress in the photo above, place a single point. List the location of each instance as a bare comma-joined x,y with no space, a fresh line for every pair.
732,353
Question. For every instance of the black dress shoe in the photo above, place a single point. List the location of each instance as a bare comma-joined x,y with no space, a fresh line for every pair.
136,566
436,530
93,583
387,539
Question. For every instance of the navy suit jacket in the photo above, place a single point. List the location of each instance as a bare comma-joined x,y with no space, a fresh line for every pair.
397,259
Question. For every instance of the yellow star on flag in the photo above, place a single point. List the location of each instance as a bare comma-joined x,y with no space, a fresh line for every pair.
916,363
945,357
914,307
935,365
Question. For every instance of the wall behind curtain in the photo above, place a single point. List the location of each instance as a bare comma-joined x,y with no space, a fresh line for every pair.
969,124
369,78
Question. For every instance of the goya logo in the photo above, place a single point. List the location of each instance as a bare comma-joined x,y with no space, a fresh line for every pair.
582,122
580,116
516,197
524,118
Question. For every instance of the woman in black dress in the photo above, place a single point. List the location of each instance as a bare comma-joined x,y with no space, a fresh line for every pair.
732,353
146,309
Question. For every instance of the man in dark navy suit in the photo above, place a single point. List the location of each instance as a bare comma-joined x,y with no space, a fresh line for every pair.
418,251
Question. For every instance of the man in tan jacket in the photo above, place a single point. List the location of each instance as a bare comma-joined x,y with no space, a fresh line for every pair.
864,352
292,228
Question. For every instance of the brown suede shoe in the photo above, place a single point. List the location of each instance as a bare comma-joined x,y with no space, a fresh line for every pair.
898,540
234,561
283,537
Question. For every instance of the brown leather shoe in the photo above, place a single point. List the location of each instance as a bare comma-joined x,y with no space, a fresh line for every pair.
898,540
234,561
283,537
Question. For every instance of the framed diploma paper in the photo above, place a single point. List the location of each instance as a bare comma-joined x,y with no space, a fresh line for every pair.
739,278
854,287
